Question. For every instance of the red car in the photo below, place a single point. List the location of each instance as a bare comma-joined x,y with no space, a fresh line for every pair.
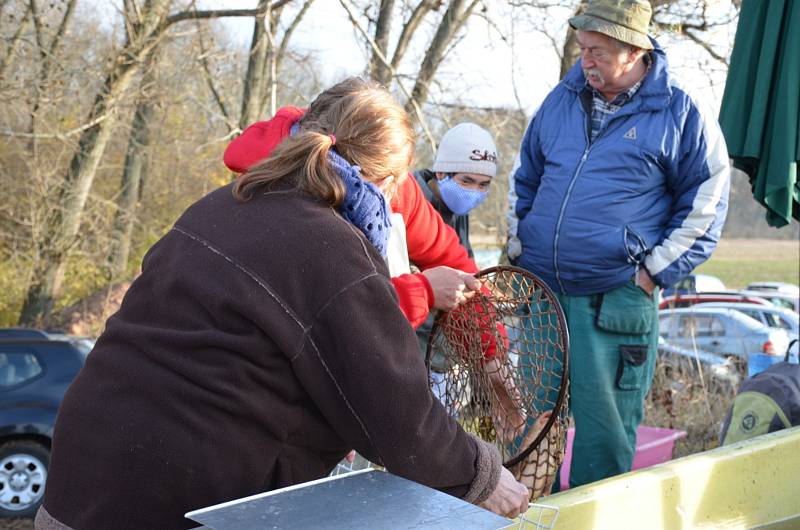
686,300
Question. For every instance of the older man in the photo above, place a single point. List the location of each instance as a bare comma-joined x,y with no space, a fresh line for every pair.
621,188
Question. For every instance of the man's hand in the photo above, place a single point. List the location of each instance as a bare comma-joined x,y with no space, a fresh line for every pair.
644,281
510,498
451,287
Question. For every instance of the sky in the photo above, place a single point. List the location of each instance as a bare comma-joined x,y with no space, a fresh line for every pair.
483,69
480,69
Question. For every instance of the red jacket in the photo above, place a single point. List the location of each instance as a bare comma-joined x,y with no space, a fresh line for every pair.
431,242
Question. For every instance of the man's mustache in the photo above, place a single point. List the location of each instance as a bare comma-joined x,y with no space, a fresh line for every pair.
592,71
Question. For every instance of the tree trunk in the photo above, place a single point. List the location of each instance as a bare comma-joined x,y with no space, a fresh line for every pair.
261,80
144,26
47,57
252,96
13,45
383,27
409,29
62,226
132,175
570,53
452,21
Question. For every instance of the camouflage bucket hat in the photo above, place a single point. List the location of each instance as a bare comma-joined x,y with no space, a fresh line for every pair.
624,20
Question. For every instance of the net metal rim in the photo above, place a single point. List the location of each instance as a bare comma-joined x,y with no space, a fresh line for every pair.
563,342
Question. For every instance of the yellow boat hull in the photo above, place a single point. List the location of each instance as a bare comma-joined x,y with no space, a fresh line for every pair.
748,485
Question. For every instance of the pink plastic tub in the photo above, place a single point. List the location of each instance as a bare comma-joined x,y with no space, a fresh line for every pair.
653,446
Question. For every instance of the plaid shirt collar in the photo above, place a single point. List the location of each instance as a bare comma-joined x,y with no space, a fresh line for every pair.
602,109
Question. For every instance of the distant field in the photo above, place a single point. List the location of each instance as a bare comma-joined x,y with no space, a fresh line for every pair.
738,262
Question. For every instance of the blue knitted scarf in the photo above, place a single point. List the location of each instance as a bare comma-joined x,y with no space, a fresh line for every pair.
364,205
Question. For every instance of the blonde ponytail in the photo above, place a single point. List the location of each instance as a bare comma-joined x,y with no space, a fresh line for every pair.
371,130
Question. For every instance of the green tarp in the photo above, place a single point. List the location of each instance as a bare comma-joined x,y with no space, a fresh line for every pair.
760,114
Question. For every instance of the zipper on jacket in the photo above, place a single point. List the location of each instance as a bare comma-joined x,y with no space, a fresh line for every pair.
566,199
589,146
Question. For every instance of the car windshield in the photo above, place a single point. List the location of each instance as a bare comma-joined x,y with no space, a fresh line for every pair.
781,302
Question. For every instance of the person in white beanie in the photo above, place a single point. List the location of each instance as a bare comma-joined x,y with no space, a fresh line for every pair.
458,181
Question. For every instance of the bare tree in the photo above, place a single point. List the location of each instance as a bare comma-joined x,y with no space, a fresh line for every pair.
378,69
266,53
133,171
146,25
385,60
570,52
259,88
457,13
48,54
11,49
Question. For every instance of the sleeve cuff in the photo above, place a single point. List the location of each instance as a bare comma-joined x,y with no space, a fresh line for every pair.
487,472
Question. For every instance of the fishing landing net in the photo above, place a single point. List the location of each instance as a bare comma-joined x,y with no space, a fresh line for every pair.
499,364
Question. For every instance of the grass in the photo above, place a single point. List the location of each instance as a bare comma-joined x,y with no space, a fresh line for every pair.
738,262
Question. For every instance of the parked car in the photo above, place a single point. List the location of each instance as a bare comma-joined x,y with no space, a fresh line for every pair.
787,300
723,370
36,368
774,287
721,331
687,300
695,283
770,316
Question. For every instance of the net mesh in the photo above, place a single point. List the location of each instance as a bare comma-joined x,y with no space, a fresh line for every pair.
499,364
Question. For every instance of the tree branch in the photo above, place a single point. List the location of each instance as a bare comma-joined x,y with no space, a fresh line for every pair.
60,136
210,79
706,46
383,27
15,39
422,9
420,118
451,23
287,35
213,13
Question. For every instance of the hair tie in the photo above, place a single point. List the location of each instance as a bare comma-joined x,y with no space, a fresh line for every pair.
333,139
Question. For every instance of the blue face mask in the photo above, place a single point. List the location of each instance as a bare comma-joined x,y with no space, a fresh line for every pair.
459,200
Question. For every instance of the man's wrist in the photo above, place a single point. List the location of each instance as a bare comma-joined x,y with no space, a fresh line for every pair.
645,281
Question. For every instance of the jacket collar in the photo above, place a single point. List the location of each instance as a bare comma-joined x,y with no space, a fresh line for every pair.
655,92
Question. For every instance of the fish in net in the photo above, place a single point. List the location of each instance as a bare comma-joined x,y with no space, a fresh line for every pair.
499,364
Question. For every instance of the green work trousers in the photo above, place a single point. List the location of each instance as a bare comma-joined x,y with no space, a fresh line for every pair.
613,347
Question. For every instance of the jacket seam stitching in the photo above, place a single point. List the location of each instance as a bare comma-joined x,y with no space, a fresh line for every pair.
374,272
261,283
330,374
306,337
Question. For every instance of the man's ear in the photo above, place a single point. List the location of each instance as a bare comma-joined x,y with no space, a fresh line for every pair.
635,54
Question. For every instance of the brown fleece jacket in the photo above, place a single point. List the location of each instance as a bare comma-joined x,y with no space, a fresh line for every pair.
262,341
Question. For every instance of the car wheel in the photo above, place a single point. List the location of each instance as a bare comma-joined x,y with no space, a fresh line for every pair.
23,473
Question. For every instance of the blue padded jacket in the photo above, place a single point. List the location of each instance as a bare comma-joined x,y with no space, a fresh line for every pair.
651,190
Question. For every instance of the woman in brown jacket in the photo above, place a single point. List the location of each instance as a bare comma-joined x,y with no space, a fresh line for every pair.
262,341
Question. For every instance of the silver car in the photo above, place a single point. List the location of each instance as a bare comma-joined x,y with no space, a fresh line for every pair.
779,299
774,287
721,331
772,317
